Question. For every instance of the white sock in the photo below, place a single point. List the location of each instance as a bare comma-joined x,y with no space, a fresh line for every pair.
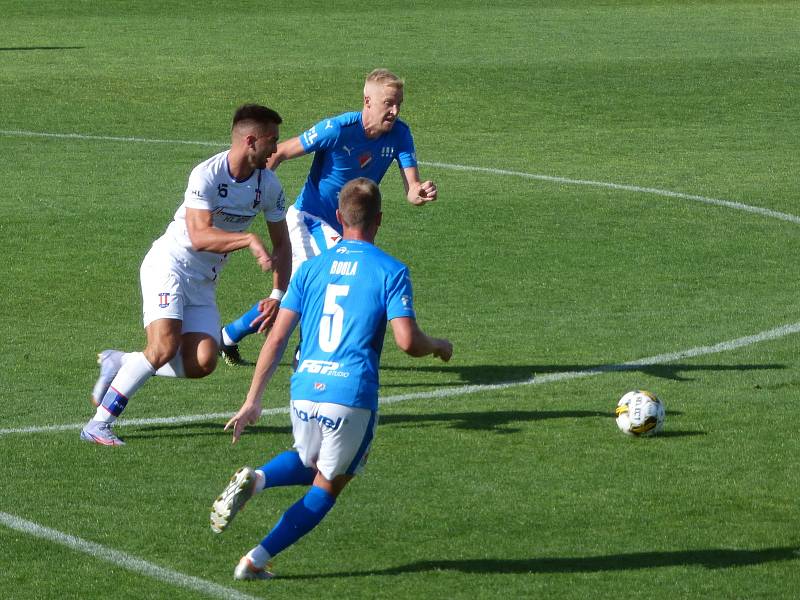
132,375
226,339
259,557
261,481
173,368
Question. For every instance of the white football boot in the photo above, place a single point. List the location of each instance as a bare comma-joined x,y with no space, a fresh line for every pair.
246,570
239,490
110,362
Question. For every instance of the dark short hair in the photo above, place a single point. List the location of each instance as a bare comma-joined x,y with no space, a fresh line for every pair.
359,203
255,114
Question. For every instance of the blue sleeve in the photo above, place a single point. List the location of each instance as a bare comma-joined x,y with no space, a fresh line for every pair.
293,300
321,136
399,296
406,154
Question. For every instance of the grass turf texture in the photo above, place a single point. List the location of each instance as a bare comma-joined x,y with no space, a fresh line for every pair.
528,491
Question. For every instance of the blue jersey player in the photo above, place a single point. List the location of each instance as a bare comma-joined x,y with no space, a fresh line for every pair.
343,299
350,145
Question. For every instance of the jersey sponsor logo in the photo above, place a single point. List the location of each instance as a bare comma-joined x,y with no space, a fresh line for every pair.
342,250
227,217
163,299
405,299
343,267
365,159
322,367
310,136
319,386
324,421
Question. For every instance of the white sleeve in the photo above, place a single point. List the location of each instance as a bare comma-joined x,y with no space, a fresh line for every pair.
200,192
275,207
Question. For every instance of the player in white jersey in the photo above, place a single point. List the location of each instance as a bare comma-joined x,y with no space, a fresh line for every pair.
347,146
179,274
343,299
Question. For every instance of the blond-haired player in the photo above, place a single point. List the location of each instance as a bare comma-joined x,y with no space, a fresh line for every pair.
354,144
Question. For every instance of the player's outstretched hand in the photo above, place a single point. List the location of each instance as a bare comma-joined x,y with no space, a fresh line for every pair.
268,310
247,415
427,192
443,349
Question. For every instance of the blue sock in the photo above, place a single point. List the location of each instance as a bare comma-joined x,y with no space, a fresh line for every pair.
240,328
287,469
302,517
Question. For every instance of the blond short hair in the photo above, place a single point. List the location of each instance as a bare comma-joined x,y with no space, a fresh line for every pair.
383,77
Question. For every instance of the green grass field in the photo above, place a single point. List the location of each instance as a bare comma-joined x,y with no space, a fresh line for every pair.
581,150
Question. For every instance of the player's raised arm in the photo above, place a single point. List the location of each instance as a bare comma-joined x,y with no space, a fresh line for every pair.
291,148
418,192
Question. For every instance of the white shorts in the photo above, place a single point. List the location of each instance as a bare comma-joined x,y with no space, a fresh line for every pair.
309,236
332,438
169,292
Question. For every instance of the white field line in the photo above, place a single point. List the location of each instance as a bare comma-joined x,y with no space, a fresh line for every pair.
625,188
660,359
104,138
564,180
121,559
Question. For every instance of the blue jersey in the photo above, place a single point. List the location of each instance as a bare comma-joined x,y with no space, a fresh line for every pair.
345,297
343,152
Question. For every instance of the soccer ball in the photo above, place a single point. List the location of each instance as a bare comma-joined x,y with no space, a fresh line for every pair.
640,413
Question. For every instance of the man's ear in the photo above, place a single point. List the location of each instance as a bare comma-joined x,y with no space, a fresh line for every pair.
339,217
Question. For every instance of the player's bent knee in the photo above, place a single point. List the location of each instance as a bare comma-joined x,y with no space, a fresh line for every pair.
199,355
332,486
160,354
200,366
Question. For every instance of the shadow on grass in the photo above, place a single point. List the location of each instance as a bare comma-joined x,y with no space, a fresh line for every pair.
27,48
710,559
144,432
496,374
500,421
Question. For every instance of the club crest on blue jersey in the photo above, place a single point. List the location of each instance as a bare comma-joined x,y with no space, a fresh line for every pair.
365,159
163,299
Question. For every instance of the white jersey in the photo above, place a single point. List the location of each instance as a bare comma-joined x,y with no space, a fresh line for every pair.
233,205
